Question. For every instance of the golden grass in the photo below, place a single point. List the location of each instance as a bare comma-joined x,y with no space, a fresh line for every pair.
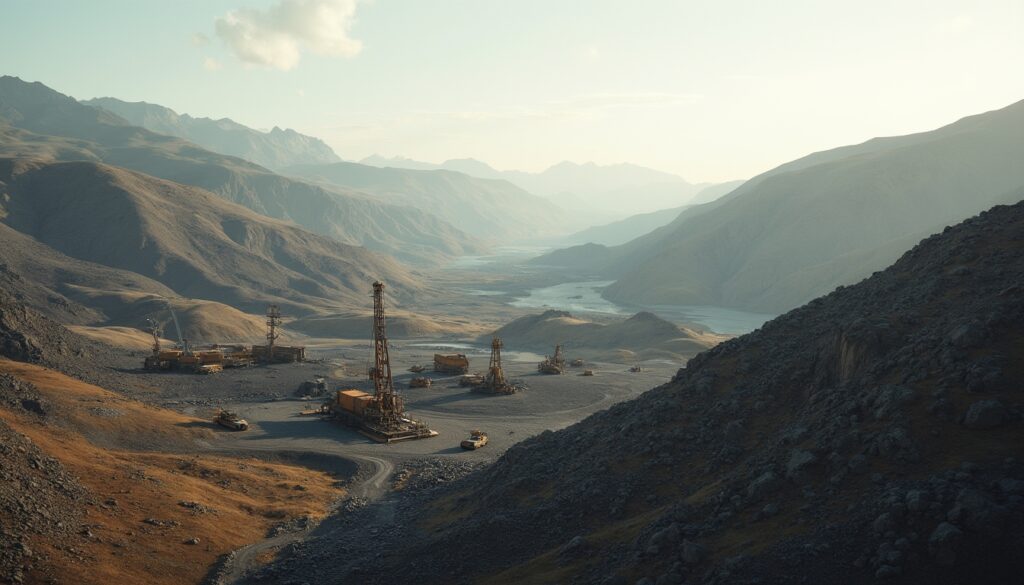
248,495
123,337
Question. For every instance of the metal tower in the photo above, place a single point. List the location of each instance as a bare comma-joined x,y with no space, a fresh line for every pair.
495,375
273,322
154,330
388,404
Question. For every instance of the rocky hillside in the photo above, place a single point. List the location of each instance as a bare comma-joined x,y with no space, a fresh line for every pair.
491,209
38,122
275,149
190,241
874,434
642,336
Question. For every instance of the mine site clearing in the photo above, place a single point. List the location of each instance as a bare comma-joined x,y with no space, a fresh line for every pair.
414,400
548,402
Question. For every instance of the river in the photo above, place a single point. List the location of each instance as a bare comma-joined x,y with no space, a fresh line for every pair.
585,297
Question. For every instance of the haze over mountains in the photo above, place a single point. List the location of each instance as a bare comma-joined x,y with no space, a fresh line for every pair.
274,150
634,226
44,124
825,220
492,209
597,190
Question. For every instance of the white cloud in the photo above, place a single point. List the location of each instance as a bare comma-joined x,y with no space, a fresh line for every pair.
211,64
276,37
200,39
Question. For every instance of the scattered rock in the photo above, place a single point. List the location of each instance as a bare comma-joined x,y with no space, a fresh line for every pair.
985,414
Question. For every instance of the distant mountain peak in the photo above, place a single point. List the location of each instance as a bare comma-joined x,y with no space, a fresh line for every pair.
274,149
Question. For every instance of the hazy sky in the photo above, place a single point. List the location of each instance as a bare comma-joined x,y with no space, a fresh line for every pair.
709,90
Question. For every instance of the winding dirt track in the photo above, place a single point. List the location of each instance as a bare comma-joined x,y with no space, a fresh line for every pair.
243,560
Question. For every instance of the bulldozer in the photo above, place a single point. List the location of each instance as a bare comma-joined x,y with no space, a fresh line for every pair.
420,382
231,420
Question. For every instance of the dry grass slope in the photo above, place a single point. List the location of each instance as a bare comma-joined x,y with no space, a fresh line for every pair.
134,528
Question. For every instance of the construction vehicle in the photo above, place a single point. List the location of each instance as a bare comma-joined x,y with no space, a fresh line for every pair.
231,420
313,388
184,357
494,381
636,369
420,382
471,380
587,373
451,364
553,364
380,416
576,363
418,369
476,440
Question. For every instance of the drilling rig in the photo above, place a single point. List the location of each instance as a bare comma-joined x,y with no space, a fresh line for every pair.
152,362
495,381
380,416
271,353
184,357
554,364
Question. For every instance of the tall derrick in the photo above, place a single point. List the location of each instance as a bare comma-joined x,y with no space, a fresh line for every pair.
380,416
273,322
387,403
495,381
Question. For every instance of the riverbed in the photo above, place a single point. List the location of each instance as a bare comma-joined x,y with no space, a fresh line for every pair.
585,297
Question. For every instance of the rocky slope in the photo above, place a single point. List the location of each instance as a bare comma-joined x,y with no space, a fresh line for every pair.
188,240
38,122
490,209
830,219
874,434
275,149
642,336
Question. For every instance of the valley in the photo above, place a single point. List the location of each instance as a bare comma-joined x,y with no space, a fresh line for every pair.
351,292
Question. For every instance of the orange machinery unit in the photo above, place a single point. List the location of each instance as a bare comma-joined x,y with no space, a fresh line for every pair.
451,364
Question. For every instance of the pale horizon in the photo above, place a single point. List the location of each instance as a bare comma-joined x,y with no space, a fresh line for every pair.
709,91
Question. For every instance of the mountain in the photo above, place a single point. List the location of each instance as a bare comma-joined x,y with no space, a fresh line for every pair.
799,231
44,124
642,336
189,240
276,149
485,208
615,190
624,230
873,434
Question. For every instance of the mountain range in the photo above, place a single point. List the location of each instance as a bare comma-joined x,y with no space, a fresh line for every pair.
171,242
828,219
491,209
274,150
38,122
598,191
